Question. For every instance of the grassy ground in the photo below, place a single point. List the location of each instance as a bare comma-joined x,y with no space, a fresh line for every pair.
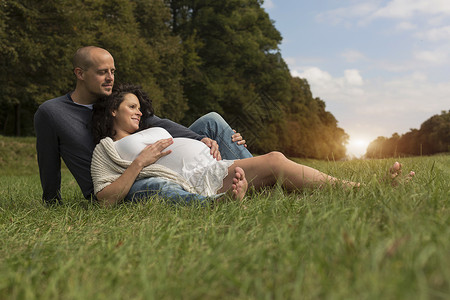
378,242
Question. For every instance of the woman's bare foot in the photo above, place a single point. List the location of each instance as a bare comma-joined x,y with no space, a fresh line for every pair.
395,171
240,184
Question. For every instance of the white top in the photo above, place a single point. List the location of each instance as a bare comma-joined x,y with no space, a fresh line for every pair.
189,158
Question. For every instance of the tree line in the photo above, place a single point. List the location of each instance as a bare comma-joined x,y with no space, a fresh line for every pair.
432,137
191,56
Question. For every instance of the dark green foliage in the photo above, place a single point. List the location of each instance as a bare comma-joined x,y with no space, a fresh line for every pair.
432,137
39,38
232,65
192,57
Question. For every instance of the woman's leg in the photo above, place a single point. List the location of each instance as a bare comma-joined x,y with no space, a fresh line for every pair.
266,170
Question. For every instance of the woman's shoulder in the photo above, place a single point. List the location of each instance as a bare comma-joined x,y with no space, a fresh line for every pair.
104,142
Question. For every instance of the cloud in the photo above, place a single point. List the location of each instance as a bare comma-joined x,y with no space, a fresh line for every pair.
353,78
403,9
377,107
404,26
363,13
317,76
348,86
343,14
353,56
433,57
435,34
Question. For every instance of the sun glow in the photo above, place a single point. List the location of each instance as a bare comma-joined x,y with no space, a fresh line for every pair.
357,147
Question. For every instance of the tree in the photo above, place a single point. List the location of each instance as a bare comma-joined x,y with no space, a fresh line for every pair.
232,64
191,56
38,39
312,131
432,137
29,52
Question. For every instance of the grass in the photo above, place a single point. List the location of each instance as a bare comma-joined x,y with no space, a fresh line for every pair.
378,242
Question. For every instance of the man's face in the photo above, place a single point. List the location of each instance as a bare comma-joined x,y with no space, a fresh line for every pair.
99,78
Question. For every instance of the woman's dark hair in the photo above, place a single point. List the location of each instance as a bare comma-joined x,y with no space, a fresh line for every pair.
102,119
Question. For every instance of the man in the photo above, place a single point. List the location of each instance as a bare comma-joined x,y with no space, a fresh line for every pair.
63,129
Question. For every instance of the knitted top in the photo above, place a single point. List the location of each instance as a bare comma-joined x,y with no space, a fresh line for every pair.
107,166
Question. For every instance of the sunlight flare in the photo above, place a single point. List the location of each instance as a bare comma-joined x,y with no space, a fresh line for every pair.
357,146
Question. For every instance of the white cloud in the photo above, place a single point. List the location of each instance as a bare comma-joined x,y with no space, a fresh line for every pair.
293,61
437,20
314,74
435,34
433,57
409,8
429,61
348,86
378,107
404,26
353,56
353,78
341,15
436,11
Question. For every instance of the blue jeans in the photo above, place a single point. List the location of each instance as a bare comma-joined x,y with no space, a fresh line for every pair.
213,126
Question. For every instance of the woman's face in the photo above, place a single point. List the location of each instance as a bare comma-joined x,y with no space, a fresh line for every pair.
127,116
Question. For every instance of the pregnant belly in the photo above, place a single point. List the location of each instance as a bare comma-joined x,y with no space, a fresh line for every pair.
186,154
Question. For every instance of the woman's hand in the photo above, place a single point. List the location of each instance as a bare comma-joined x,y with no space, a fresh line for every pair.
153,152
237,138
117,191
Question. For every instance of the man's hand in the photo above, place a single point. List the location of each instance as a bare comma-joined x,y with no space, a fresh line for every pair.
237,137
214,147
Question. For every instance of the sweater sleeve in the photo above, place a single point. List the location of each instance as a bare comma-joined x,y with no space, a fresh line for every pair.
48,157
176,130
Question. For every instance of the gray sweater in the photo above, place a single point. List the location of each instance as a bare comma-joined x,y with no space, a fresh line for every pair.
63,130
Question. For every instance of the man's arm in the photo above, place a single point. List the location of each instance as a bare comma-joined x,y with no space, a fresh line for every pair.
48,156
175,130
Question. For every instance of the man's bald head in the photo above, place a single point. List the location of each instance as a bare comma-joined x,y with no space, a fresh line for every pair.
94,69
83,57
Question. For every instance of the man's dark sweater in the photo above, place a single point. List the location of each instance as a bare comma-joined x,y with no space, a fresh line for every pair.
63,129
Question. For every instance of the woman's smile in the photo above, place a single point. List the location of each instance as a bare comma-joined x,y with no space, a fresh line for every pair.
127,117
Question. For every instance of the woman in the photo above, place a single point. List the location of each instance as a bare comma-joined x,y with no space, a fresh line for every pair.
126,152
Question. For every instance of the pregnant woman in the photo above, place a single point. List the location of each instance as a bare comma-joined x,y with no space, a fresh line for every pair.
127,152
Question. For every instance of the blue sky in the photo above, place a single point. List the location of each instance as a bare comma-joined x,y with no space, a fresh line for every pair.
381,66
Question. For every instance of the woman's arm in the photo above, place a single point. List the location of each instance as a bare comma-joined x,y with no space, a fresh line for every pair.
116,191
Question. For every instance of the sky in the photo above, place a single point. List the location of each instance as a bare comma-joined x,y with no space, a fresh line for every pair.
381,66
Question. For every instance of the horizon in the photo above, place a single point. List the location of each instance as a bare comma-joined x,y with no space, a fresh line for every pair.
380,66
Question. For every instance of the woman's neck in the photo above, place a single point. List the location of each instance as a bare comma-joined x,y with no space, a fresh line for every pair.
120,134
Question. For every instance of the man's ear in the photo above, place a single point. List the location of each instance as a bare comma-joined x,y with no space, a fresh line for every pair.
79,73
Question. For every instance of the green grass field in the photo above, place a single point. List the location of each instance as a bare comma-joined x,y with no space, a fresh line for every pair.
377,242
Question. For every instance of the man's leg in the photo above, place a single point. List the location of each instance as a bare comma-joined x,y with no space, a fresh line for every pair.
166,189
215,127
